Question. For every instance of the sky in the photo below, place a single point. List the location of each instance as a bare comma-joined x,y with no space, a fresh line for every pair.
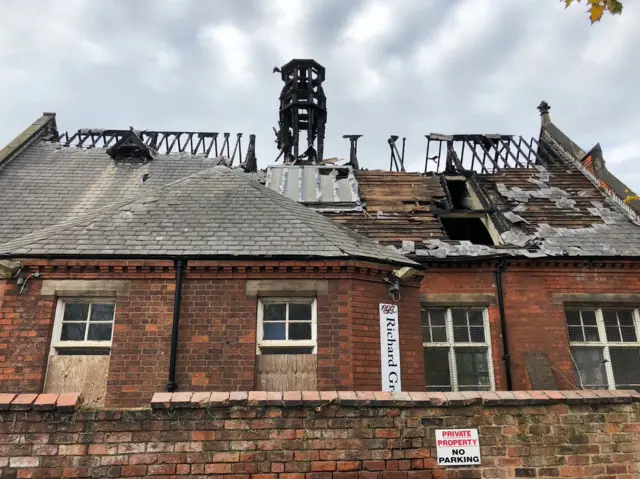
406,67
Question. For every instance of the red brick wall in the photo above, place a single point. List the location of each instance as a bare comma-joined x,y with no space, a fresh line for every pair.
471,280
217,336
216,349
25,333
335,361
535,322
570,436
139,363
366,336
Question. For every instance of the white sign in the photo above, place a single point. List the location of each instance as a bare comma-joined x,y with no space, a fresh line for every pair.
390,347
458,447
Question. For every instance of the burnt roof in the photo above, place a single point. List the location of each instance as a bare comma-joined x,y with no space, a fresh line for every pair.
398,207
553,207
543,202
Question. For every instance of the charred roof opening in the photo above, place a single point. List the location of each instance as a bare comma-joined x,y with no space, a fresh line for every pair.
458,193
467,229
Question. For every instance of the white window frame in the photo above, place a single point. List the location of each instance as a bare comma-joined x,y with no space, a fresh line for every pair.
604,344
287,343
57,344
452,345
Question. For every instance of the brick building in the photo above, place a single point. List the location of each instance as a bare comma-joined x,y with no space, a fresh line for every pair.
133,262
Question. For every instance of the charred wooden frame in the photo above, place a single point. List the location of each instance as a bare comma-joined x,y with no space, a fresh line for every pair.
208,144
484,154
396,159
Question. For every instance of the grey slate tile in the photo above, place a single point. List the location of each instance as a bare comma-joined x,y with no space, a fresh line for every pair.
237,216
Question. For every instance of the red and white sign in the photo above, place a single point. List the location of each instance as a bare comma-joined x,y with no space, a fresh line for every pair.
458,447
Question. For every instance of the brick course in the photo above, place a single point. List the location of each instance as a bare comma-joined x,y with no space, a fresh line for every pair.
217,337
539,435
217,334
536,321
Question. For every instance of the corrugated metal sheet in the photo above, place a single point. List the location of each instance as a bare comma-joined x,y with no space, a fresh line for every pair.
319,186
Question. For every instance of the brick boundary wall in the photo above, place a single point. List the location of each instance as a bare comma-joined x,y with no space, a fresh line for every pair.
321,435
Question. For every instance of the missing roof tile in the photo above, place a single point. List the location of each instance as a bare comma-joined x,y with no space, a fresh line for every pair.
467,229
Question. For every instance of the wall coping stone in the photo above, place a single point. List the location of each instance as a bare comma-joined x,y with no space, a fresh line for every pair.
71,402
67,402
163,400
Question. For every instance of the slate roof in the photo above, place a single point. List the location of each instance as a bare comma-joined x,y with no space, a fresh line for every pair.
48,184
216,212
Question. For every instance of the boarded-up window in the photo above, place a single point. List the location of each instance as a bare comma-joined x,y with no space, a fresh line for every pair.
80,348
286,344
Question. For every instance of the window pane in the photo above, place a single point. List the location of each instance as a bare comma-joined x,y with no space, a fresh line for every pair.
613,333
625,317
610,318
473,369
102,312
475,317
591,333
275,312
99,332
437,317
589,317
477,335
573,318
274,331
439,334
461,334
627,328
73,331
626,367
459,317
436,369
76,311
299,312
589,367
629,334
426,334
424,318
299,331
575,333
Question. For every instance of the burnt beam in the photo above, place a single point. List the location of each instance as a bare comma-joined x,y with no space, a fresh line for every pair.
353,150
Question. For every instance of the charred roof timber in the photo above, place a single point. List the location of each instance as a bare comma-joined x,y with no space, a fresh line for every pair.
303,107
396,160
353,150
165,142
483,154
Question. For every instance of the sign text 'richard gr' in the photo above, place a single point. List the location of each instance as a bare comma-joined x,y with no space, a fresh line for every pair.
390,347
458,447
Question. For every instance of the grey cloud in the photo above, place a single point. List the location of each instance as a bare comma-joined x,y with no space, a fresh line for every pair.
145,64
